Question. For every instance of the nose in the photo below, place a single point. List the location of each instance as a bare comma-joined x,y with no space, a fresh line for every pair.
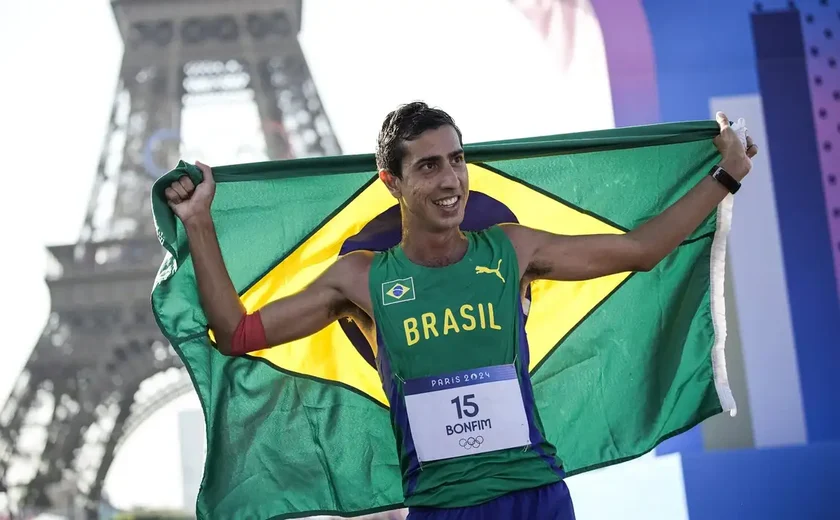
449,178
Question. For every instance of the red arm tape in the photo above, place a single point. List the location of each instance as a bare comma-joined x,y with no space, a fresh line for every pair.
248,336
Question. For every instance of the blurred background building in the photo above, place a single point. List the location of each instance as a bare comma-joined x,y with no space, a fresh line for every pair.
97,416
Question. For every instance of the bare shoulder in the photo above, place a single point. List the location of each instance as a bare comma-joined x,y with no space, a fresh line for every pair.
354,264
516,233
525,242
350,274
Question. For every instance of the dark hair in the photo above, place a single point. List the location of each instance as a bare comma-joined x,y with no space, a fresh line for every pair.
404,124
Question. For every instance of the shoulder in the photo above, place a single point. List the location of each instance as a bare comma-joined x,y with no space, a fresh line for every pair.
356,260
523,239
346,270
525,242
352,265
348,277
506,232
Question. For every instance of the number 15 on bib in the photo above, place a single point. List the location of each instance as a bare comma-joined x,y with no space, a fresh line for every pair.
474,411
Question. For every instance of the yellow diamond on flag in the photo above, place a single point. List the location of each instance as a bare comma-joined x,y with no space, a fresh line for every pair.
330,355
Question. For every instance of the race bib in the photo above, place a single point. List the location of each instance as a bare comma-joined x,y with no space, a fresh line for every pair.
474,411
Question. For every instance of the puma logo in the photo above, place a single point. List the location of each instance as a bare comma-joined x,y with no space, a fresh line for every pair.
486,270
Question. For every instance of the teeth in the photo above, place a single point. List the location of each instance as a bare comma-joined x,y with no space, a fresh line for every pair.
447,202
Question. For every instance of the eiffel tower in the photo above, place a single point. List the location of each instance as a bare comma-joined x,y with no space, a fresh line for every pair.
88,383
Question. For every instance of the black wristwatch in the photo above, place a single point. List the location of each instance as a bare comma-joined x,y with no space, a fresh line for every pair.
723,177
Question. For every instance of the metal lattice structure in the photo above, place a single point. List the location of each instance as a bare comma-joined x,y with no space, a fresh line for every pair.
101,365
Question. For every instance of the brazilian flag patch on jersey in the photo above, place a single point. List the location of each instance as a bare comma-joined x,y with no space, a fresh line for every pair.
398,291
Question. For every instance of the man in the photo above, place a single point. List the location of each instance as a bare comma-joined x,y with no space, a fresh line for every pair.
444,311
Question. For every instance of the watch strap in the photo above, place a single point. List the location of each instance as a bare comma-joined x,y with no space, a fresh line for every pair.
723,177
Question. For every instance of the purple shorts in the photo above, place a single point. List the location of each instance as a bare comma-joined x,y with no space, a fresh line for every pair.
550,502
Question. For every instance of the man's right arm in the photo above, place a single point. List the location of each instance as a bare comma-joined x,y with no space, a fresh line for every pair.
278,322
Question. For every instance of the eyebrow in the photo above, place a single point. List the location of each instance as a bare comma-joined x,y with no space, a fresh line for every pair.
427,158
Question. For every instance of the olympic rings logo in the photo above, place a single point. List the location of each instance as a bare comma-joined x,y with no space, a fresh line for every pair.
471,442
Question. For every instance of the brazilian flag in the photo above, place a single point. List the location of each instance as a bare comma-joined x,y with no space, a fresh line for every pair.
619,363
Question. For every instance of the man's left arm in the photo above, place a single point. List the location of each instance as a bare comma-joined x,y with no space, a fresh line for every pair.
544,255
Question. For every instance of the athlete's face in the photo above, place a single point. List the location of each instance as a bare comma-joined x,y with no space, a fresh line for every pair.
434,184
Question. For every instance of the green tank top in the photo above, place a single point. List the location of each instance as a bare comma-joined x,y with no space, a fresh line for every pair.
441,333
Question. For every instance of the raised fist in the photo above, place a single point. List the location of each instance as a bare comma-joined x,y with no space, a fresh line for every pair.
735,157
188,200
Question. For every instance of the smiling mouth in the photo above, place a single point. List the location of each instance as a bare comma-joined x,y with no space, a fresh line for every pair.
448,203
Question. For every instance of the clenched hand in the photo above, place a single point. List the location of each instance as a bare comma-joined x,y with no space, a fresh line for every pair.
188,200
735,159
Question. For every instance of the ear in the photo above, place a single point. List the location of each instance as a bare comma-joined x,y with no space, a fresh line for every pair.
392,182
